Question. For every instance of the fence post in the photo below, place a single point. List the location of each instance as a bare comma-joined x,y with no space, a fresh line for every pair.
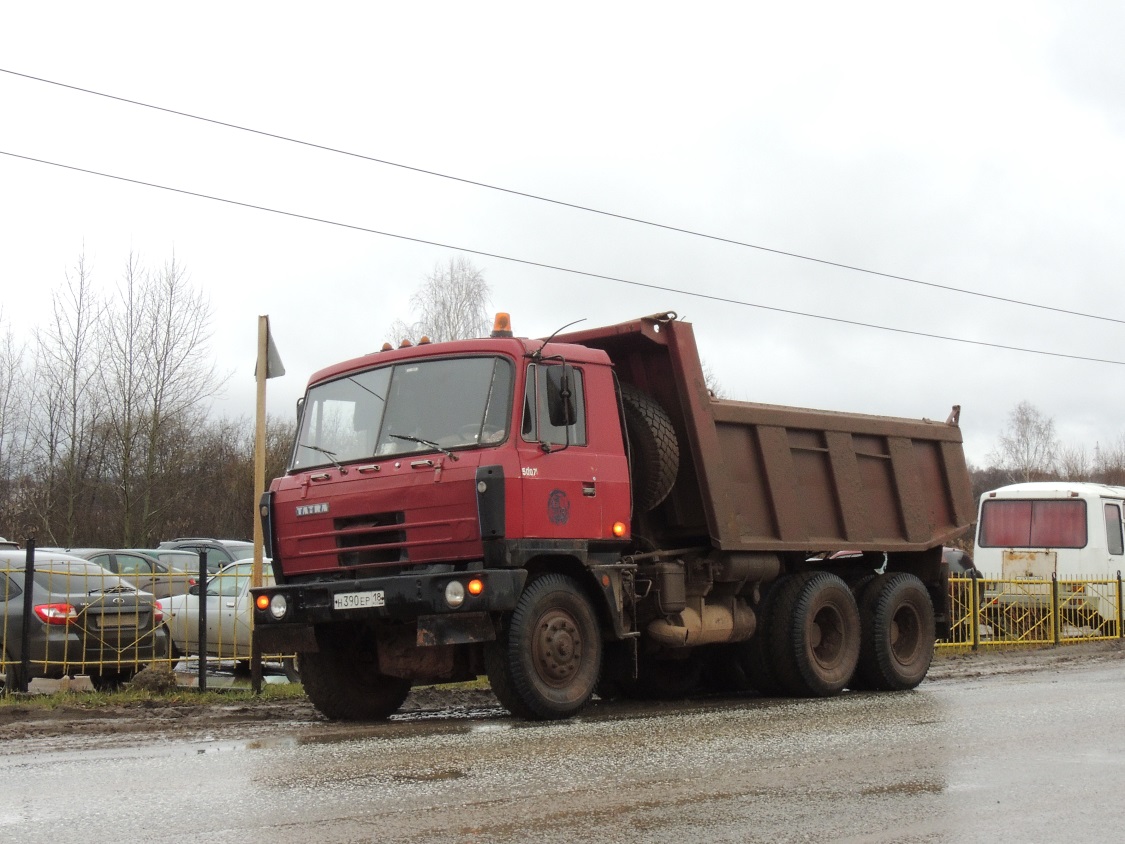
1120,613
202,670
28,609
1055,620
974,608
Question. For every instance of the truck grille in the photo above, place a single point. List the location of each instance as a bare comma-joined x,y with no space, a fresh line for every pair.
374,539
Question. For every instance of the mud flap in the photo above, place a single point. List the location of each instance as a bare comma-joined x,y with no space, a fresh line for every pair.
287,639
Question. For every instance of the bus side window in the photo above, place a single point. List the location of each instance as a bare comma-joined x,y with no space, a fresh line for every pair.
1113,529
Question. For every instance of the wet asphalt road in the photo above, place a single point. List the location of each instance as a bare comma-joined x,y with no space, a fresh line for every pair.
1031,758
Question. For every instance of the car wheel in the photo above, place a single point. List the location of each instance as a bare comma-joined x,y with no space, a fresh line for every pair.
111,681
174,653
13,676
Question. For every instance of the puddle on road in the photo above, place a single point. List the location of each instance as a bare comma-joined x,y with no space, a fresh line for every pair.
430,776
904,788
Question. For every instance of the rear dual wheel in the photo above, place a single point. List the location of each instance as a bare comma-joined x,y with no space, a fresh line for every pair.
754,655
898,633
814,637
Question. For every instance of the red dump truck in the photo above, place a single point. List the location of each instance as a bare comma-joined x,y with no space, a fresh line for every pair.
579,515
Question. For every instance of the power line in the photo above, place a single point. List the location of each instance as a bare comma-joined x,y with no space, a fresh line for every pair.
574,206
556,268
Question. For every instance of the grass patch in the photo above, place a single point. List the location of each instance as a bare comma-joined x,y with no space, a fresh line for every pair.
479,683
141,697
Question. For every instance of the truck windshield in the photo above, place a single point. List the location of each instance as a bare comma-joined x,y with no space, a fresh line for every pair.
405,408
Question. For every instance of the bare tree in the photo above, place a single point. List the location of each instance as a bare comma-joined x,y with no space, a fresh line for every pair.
68,403
13,430
1028,446
123,380
452,304
714,385
1109,462
1074,463
179,380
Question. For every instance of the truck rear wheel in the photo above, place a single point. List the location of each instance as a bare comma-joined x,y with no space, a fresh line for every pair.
754,655
343,681
898,633
816,636
655,452
546,661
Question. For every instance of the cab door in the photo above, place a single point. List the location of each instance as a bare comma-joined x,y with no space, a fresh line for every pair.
559,467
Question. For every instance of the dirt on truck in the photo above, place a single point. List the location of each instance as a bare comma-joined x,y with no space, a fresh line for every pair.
580,513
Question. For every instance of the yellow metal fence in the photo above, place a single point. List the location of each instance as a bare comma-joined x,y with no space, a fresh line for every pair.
992,612
84,620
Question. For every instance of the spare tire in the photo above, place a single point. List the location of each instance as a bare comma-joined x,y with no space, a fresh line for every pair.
654,453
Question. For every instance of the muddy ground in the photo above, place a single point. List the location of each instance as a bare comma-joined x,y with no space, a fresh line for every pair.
185,721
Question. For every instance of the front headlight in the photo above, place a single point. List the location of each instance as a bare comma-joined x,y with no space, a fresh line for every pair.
279,607
454,594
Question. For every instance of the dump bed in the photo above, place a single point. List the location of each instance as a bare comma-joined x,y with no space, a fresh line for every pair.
769,478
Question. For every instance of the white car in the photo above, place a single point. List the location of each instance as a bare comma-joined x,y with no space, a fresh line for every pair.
229,604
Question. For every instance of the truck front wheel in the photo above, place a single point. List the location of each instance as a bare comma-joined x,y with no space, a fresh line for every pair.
345,684
546,661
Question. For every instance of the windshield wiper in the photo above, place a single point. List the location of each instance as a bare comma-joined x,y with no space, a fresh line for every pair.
430,443
331,455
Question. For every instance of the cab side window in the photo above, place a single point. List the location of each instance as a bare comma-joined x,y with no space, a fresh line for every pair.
554,405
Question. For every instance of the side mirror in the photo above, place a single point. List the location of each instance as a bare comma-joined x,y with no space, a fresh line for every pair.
560,398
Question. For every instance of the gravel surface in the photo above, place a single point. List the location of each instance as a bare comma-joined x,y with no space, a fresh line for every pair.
188,721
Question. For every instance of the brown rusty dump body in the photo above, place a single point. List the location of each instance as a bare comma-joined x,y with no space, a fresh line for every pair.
756,477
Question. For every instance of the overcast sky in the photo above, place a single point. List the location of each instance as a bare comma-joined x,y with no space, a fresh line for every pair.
978,146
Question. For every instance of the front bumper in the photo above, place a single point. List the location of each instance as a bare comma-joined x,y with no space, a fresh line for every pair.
404,597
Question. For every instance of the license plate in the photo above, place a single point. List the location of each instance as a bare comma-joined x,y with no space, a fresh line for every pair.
110,621
357,600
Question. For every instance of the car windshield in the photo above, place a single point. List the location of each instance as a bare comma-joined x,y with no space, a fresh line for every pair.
405,408
233,579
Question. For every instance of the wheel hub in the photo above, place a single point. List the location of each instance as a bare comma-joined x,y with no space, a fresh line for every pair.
905,634
826,637
557,648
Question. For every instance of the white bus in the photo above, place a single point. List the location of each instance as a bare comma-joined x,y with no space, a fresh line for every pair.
1072,531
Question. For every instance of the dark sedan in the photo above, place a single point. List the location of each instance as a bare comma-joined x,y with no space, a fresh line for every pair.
142,570
84,620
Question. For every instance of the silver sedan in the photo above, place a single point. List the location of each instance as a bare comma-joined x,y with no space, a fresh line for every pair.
229,604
